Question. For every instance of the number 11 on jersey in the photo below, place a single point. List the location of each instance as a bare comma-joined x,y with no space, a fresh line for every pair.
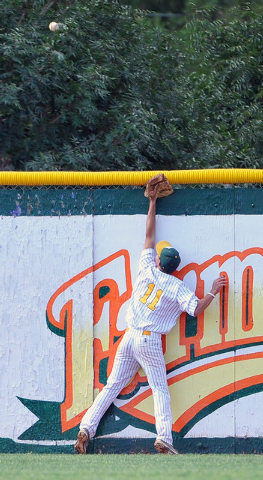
156,299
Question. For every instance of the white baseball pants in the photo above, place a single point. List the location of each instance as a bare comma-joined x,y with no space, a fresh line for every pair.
136,350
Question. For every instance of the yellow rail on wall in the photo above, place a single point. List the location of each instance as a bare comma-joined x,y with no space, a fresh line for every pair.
208,176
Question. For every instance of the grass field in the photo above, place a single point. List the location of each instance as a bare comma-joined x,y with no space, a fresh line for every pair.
137,467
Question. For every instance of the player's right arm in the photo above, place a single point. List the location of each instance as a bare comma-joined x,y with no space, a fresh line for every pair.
204,302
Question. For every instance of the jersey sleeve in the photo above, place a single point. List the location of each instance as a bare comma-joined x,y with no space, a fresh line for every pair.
147,259
187,299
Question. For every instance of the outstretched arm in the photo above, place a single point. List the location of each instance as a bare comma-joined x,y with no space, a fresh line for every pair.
151,222
205,301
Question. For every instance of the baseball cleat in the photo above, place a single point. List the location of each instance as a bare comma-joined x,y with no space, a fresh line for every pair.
82,442
164,447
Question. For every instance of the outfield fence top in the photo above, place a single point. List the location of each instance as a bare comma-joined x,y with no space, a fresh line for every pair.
131,178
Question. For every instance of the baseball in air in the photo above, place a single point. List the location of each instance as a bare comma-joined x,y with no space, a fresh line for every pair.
53,26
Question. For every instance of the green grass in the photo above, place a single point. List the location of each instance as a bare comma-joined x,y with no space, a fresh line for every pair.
137,467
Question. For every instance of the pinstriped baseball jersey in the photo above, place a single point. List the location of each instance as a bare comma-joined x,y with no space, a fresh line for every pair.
158,299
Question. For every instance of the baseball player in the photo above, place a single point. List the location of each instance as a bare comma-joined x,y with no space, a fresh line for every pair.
157,300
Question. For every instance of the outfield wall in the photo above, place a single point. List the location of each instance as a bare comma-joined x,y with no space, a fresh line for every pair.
69,259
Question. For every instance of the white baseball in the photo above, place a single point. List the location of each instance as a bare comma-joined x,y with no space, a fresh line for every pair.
53,26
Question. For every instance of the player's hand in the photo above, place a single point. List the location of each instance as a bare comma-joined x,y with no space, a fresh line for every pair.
218,284
152,194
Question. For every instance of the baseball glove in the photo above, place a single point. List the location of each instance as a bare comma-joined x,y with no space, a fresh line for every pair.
163,186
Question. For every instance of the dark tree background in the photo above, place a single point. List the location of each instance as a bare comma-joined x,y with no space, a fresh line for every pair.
113,90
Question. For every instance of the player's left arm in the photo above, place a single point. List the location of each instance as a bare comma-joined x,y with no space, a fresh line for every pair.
151,220
204,302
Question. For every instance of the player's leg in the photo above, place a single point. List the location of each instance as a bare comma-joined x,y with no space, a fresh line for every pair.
124,368
150,356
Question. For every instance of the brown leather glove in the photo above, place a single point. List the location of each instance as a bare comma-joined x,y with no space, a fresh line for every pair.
163,186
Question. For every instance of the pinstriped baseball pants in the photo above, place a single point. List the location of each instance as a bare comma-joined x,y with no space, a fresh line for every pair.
136,350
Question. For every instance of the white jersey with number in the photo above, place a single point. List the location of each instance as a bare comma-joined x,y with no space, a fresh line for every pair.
158,299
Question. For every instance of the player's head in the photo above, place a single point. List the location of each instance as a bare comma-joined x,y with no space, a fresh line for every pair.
169,257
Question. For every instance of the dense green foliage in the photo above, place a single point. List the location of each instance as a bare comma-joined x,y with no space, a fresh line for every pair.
182,7
108,91
226,89
73,99
92,95
173,14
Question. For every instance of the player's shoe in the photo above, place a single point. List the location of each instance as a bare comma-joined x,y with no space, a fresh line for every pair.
82,441
164,447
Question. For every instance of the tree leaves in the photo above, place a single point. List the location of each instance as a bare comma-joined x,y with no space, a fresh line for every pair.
109,91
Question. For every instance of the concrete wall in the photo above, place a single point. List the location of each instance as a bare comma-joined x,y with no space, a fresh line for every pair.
69,259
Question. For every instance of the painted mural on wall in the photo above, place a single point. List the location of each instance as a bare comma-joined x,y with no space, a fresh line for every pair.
66,283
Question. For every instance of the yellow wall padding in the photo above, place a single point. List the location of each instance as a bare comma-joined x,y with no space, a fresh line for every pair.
209,176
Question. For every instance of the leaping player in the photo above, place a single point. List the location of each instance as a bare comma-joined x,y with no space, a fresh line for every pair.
157,300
